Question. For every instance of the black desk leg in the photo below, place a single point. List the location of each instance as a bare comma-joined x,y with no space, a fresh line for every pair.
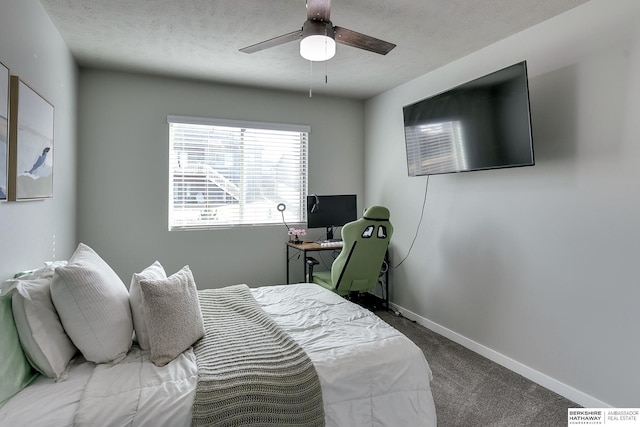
287,255
304,266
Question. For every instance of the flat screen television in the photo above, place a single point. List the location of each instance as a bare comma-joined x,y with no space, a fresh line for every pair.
331,211
478,125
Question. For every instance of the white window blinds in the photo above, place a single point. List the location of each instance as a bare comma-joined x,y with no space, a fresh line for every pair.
226,173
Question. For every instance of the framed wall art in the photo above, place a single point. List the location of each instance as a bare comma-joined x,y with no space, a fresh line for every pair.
30,143
4,129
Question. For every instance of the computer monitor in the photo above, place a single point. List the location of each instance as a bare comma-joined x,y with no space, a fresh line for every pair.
331,211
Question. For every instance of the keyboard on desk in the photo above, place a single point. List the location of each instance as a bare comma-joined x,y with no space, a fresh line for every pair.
331,243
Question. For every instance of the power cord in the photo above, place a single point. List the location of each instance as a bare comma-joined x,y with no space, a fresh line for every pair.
424,202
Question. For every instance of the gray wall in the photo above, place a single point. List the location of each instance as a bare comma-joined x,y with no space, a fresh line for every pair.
37,231
537,267
123,172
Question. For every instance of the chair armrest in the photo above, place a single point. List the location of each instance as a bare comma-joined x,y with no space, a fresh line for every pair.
311,261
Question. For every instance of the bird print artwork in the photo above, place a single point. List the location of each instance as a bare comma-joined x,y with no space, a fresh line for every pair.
39,161
33,147
35,171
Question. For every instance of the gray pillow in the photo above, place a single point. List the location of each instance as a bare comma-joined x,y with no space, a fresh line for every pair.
172,315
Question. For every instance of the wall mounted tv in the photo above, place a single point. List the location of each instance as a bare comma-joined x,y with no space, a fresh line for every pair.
481,124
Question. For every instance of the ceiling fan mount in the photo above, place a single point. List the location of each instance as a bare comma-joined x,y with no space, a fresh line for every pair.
317,28
318,36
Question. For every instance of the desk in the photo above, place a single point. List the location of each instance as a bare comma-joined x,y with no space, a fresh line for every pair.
305,247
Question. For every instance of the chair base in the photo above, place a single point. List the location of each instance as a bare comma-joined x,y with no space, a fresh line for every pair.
369,301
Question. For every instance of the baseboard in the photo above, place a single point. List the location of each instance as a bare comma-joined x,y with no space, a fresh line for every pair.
546,381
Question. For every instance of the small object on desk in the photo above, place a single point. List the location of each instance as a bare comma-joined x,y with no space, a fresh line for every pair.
296,233
332,244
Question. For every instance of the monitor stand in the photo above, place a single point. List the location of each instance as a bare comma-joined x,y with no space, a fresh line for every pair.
330,232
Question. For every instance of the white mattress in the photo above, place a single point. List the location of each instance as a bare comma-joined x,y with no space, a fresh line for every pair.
371,374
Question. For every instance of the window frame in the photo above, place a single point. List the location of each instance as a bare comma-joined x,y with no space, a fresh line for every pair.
293,215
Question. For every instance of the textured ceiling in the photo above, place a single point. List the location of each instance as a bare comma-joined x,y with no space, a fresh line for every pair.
200,39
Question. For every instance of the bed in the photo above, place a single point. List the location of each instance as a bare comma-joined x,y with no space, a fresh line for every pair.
369,373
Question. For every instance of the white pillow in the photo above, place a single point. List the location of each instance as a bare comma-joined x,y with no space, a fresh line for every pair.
172,313
154,272
45,272
93,305
43,339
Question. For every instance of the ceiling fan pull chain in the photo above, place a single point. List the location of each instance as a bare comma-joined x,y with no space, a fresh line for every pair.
326,78
310,79
326,50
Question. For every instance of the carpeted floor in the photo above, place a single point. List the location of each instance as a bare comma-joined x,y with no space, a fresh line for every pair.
472,391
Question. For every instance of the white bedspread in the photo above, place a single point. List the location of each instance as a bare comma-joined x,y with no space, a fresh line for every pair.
371,375
45,403
133,392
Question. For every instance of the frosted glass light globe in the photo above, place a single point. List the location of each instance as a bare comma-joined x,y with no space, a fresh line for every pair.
317,48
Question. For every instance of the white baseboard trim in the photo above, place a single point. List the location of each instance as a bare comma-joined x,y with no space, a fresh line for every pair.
537,377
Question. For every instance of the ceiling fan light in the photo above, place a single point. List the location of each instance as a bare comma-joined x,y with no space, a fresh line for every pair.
317,47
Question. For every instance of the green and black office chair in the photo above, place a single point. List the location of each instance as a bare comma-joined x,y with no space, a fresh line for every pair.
358,265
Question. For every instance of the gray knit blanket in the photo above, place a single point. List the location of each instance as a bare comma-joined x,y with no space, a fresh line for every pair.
250,372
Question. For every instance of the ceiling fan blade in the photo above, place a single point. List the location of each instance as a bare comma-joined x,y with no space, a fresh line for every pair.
319,10
285,38
362,41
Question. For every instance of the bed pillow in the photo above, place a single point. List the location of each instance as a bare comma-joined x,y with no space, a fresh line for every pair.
93,305
15,371
44,341
172,314
45,272
154,272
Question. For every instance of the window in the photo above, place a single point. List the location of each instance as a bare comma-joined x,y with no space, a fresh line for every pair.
225,173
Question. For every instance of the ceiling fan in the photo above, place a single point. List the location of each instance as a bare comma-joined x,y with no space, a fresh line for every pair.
318,36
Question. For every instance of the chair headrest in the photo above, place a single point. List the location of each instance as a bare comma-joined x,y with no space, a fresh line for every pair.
376,213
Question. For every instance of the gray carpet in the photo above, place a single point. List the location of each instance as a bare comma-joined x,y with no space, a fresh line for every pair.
472,391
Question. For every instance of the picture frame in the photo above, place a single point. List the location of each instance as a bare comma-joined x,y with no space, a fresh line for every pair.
4,130
31,142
